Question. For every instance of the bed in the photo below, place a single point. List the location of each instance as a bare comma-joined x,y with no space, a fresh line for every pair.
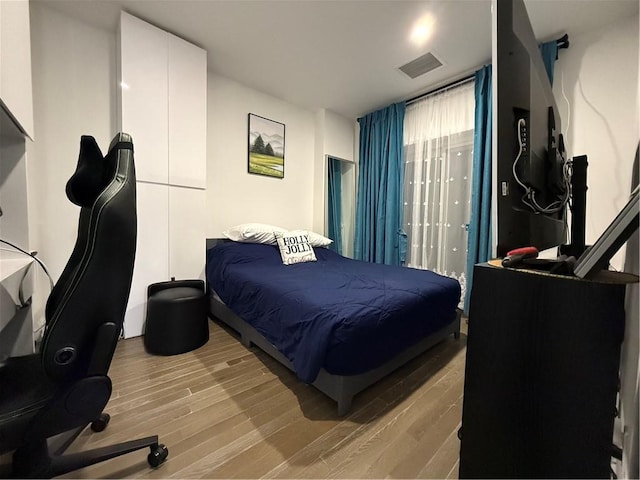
338,324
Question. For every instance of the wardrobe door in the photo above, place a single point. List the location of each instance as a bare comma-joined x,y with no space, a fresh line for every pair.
164,107
152,252
186,233
144,96
187,73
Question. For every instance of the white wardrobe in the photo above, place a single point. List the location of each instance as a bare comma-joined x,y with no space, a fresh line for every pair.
163,105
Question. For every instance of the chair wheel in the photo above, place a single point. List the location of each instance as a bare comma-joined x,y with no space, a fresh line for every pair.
158,455
101,422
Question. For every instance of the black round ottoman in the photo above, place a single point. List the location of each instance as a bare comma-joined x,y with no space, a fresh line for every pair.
176,317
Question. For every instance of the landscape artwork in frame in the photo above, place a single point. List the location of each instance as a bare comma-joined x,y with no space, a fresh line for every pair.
266,146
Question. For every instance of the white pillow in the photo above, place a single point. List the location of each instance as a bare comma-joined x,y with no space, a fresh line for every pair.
253,233
263,233
317,240
295,247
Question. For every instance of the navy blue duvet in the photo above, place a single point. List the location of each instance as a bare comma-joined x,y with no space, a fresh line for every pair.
343,315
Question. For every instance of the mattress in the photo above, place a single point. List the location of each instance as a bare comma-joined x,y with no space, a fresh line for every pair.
343,315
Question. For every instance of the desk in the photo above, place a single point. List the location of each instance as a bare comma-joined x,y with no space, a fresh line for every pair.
16,325
541,374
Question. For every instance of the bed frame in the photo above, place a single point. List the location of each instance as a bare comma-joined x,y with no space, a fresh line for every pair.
340,388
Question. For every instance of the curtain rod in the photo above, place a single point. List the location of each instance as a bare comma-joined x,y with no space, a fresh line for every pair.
455,83
562,42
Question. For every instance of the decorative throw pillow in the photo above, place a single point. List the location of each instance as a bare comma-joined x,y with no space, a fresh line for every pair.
295,247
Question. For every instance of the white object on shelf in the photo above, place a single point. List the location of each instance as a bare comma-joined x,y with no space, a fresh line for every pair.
16,320
12,262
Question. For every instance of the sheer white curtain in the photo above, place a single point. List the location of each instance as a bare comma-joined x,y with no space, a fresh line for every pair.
438,151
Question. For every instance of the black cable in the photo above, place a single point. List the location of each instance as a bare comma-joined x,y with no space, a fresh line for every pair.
23,302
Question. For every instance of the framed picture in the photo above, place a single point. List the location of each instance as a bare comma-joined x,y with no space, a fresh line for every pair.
266,147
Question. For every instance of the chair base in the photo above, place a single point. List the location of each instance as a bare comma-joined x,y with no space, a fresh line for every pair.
46,459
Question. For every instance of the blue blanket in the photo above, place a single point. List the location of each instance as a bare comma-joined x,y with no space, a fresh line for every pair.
344,315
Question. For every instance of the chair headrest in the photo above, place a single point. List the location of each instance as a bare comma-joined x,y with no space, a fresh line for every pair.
89,180
94,171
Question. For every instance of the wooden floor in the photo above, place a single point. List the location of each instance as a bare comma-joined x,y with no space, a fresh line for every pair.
228,412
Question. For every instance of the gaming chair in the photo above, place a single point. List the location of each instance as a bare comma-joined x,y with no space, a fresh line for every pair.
65,386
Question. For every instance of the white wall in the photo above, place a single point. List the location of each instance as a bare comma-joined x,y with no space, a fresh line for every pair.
339,142
235,196
74,94
339,136
599,77
335,137
319,173
596,85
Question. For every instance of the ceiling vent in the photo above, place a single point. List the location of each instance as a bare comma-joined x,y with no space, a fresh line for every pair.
420,65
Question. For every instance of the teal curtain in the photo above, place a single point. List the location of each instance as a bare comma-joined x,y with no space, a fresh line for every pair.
334,177
378,231
549,51
479,239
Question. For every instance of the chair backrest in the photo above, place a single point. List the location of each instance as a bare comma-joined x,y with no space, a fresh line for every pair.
94,286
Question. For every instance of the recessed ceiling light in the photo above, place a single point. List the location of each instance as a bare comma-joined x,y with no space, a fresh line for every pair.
422,30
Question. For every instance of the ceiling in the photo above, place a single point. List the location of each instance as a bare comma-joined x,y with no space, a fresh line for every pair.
342,55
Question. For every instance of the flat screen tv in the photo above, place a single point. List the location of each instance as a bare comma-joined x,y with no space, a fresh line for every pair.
532,174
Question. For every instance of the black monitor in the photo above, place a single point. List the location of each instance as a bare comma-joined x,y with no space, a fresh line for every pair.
532,174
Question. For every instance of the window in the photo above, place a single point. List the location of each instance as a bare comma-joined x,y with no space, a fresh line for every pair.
438,150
